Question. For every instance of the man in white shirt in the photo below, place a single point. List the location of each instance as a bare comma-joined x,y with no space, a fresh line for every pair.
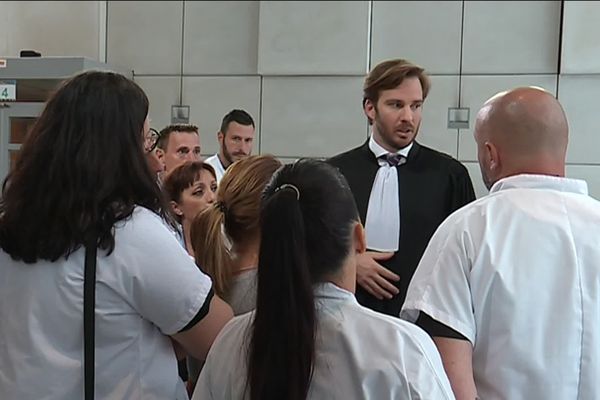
236,138
508,286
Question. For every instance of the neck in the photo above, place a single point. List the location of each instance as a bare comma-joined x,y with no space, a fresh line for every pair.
379,140
186,226
539,166
223,160
246,256
346,277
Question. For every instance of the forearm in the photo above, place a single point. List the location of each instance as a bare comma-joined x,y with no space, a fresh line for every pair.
198,339
457,357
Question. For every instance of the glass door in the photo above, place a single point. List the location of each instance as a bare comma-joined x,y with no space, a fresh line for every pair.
16,119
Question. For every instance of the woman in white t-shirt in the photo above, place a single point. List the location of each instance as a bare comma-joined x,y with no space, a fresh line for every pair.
308,337
226,236
82,178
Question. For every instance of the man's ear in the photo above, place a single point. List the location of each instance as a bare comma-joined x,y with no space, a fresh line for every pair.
160,153
220,137
369,109
360,238
493,156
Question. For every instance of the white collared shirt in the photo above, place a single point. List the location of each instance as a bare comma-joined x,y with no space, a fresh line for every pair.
215,162
517,273
379,151
360,354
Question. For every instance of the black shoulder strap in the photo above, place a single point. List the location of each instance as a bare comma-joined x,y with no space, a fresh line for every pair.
89,306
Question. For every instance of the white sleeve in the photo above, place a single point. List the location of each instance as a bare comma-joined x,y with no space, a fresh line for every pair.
224,373
159,279
426,377
440,286
203,390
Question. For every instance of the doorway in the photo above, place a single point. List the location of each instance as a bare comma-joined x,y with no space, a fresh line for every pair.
16,120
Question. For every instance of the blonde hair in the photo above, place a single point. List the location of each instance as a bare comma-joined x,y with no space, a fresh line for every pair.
236,212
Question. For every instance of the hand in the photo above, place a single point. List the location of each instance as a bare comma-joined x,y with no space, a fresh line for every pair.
375,278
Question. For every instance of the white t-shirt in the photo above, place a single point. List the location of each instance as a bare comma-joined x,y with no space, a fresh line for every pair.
147,288
360,354
216,164
518,274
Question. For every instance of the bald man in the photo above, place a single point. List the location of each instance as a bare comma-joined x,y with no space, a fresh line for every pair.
509,285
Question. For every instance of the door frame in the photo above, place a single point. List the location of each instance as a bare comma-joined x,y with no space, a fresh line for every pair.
7,111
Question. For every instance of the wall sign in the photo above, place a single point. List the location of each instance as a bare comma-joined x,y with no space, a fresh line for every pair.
8,90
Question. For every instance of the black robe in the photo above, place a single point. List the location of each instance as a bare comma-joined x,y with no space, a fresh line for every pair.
431,184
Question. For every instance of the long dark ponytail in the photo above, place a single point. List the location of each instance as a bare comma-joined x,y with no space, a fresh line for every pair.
306,228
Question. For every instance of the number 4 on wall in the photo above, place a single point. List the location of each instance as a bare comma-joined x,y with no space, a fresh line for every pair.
8,90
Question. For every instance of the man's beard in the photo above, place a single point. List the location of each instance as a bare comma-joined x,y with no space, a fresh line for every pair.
228,156
388,135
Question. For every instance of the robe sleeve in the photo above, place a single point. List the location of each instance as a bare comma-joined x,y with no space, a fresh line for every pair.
463,189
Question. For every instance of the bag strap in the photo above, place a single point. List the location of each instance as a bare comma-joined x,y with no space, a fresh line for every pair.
89,306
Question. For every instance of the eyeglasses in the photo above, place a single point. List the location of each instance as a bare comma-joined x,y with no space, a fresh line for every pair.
151,140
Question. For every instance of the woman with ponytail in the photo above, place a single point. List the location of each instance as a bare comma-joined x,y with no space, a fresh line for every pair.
308,337
226,236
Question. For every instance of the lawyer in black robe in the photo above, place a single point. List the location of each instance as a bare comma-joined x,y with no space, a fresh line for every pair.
431,185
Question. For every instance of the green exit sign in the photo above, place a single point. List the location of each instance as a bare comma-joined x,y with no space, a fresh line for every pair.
8,90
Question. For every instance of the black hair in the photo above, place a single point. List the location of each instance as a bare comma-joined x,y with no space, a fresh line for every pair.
239,116
307,221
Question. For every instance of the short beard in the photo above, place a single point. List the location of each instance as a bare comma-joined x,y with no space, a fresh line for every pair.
226,153
375,122
391,143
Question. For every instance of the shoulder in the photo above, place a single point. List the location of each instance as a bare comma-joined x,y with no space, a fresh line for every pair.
406,345
466,218
145,242
400,335
211,160
444,159
141,218
153,272
241,295
236,328
233,339
143,225
223,375
388,322
346,157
